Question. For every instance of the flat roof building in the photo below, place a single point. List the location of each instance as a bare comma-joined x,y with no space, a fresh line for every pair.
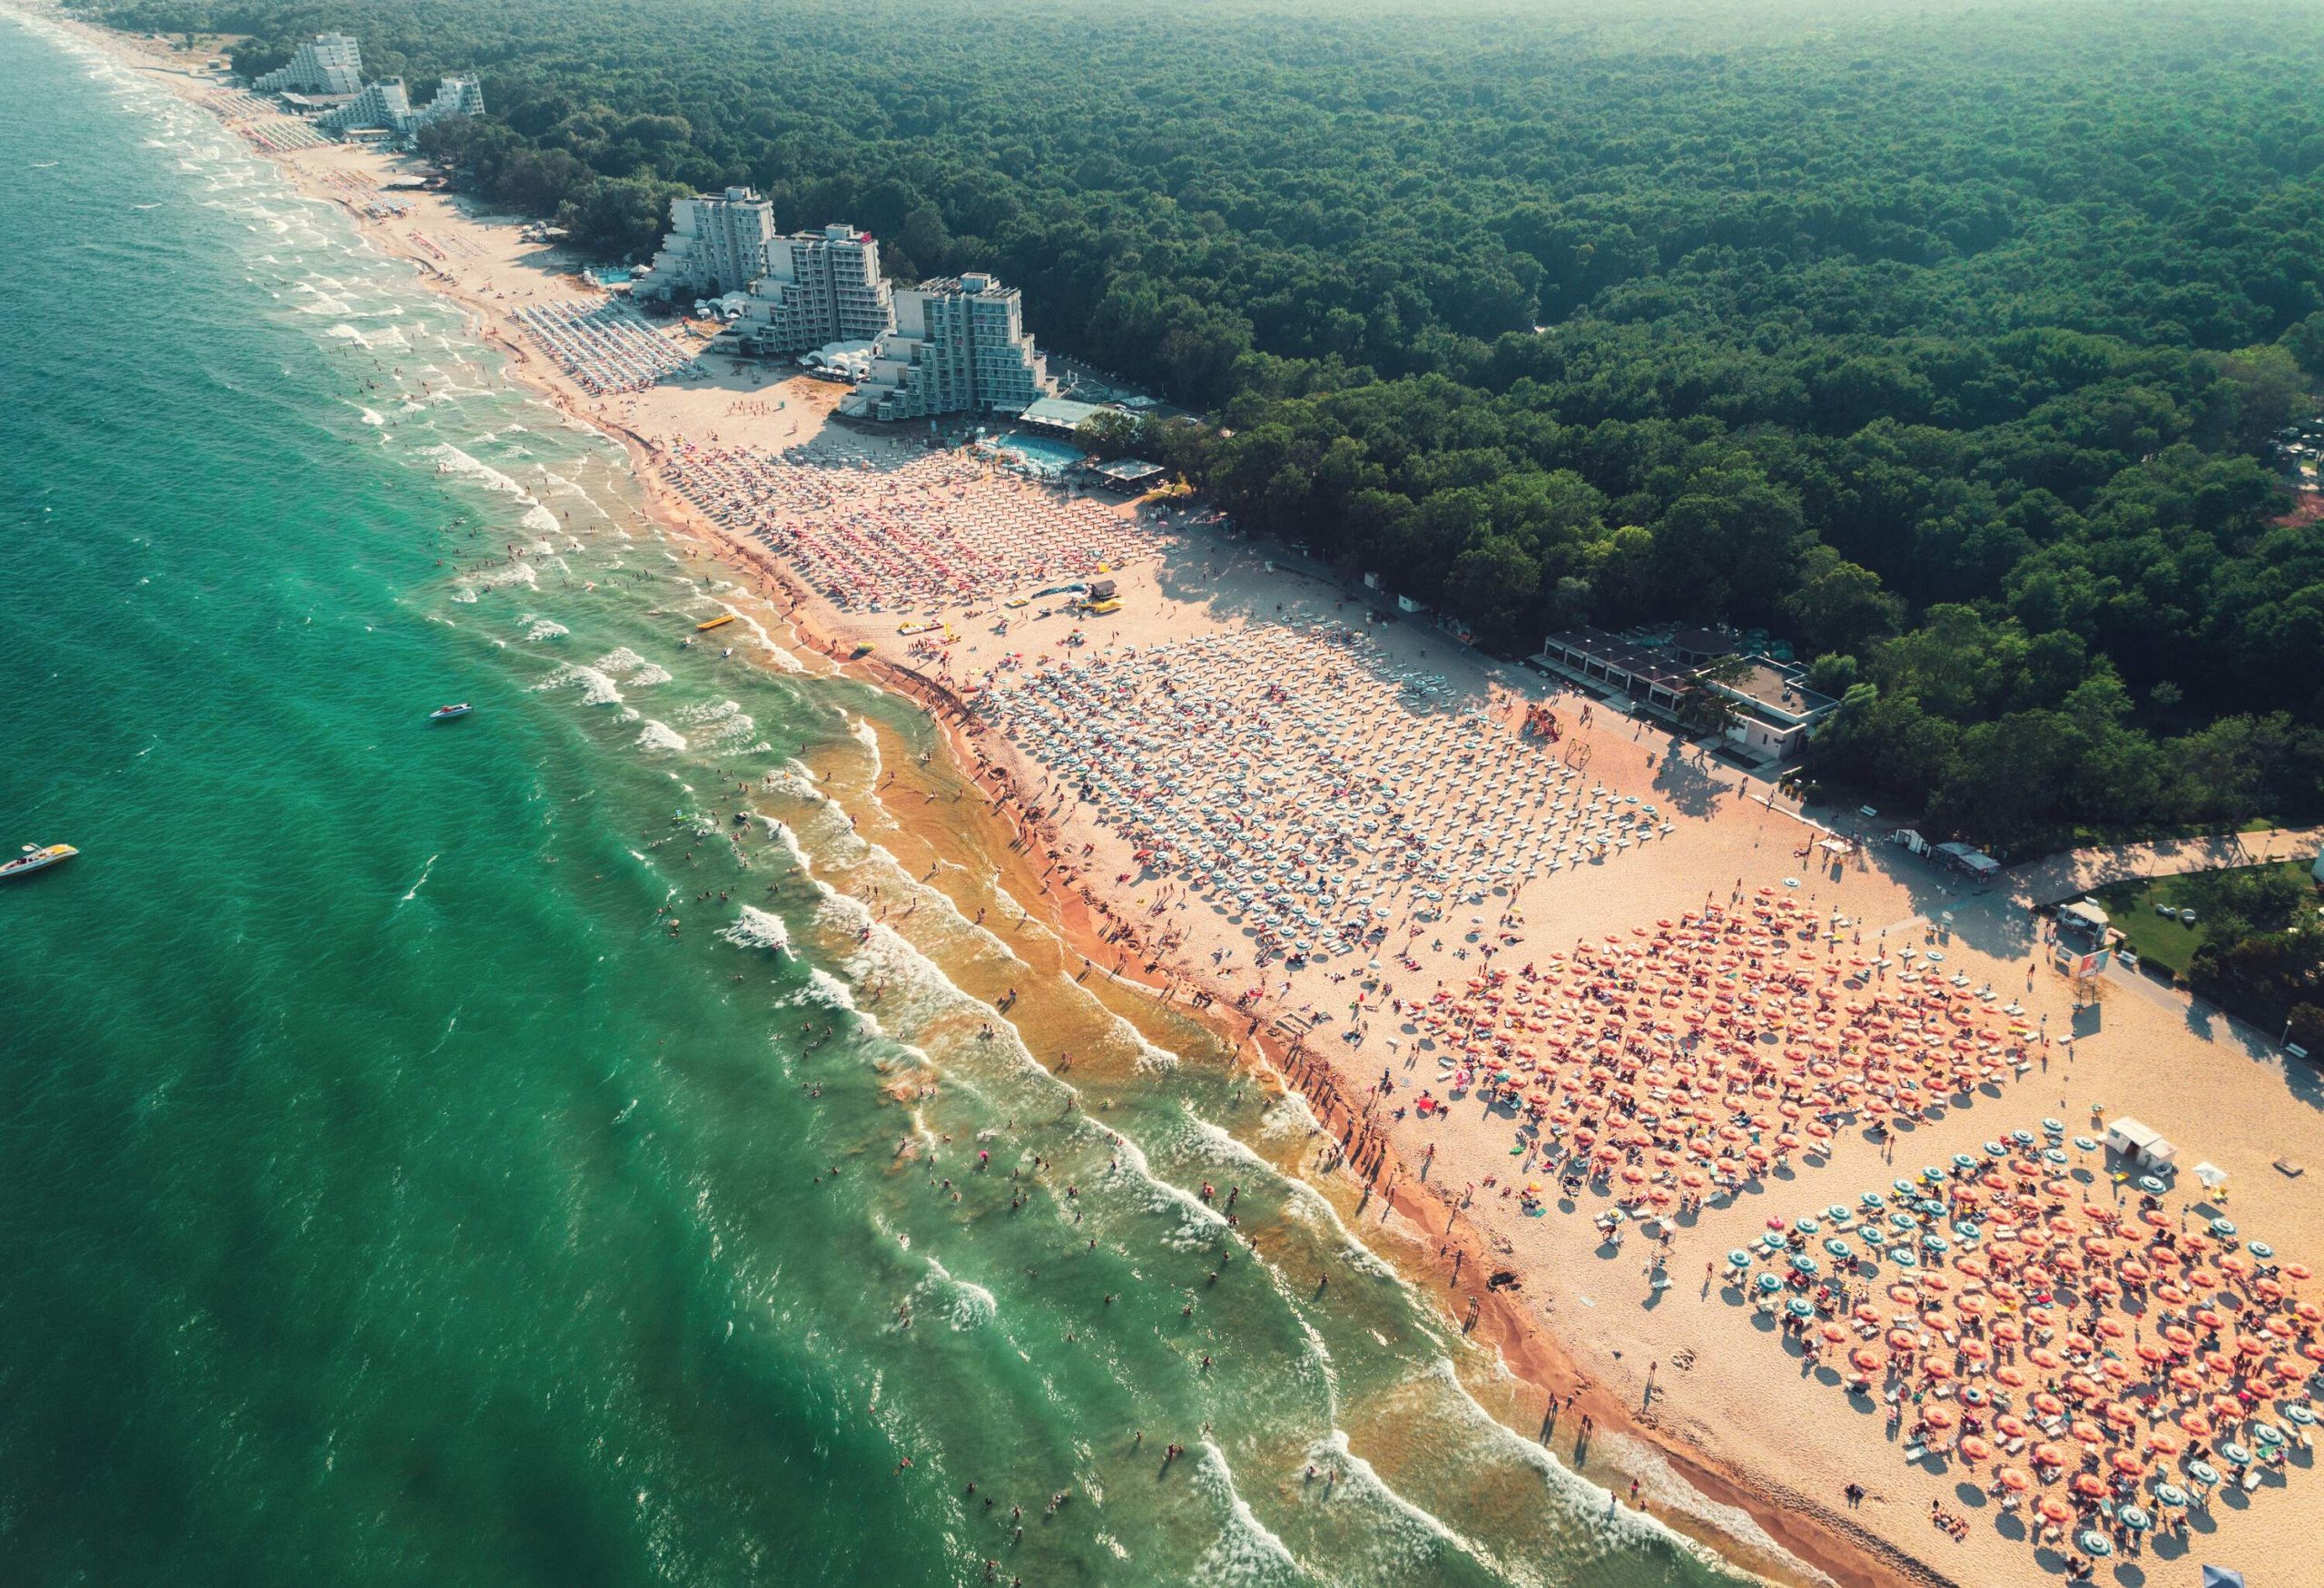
1776,713
959,345
1061,416
717,243
820,288
328,62
1129,476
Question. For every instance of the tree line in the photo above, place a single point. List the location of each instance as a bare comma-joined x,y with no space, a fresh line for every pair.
1949,343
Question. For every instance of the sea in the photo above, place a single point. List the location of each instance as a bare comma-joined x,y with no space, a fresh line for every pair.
591,1141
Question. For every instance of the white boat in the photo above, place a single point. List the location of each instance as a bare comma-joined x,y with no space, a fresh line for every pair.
444,713
37,858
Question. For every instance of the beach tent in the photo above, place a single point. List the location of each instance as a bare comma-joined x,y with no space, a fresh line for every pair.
2222,1577
2141,1143
2211,1175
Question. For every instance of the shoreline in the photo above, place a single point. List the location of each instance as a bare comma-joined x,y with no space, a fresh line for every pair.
1548,1355
1073,908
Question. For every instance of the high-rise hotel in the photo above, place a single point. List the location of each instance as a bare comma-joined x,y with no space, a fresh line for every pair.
959,345
820,288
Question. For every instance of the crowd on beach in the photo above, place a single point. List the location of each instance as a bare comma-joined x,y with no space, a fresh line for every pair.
1680,1062
874,528
2091,1356
1291,777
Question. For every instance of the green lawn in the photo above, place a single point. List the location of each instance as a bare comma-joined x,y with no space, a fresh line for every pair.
2162,942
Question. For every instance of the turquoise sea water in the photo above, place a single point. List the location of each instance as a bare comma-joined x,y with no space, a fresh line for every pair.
390,1195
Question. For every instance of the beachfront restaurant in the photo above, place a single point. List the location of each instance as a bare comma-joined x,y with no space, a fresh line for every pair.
1129,477
1776,711
1646,676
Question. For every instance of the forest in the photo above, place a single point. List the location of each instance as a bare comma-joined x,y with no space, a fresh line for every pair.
1947,340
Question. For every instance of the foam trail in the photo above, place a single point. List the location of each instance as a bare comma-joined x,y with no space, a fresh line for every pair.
758,929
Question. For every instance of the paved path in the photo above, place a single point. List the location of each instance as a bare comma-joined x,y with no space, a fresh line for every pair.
2077,871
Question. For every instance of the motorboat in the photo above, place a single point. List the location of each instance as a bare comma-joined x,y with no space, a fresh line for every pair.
444,713
37,857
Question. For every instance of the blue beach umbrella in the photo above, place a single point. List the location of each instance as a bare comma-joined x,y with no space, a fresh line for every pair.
2095,1543
1798,1308
1738,1258
2260,1249
2170,1495
2234,1454
1840,1248
1769,1284
2222,1227
2135,1517
2203,1473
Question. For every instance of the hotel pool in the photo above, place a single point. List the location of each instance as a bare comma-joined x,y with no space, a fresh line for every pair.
1042,455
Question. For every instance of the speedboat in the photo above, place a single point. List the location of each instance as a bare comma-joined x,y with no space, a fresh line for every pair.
36,857
444,713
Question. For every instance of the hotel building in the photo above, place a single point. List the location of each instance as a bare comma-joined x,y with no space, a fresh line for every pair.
328,62
820,288
717,243
959,345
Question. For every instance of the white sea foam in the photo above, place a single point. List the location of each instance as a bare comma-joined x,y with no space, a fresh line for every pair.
758,929
632,668
965,1305
717,724
545,629
452,461
1247,1553
660,736
596,689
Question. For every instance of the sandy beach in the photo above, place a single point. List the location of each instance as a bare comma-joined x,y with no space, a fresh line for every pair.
1242,762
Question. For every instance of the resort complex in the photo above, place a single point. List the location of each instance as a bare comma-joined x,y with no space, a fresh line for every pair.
1491,1062
384,106
323,80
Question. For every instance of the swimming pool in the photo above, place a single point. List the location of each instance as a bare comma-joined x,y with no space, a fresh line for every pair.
1038,453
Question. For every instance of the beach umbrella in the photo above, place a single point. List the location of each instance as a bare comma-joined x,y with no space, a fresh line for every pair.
2050,1510
2234,1454
2095,1543
2015,1479
2203,1473
2169,1493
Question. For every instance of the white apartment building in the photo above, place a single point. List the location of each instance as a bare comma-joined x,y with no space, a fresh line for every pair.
717,243
820,288
455,96
959,345
382,106
327,64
